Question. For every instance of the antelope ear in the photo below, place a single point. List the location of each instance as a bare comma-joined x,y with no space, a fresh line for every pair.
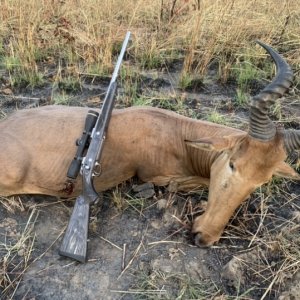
216,143
286,171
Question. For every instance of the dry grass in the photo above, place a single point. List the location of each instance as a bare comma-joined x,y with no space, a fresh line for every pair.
84,35
262,241
267,227
165,285
12,204
16,256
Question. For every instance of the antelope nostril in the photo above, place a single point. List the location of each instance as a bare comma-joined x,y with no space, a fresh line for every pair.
198,240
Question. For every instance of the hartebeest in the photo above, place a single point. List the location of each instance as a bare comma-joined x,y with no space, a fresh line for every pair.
159,146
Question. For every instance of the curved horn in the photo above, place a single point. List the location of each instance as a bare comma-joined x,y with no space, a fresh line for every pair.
291,140
260,126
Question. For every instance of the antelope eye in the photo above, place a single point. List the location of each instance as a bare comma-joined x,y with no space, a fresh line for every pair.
231,165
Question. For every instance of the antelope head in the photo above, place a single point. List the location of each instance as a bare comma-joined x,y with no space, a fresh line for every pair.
248,160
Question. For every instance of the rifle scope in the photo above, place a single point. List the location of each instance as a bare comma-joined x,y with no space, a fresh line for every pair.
82,144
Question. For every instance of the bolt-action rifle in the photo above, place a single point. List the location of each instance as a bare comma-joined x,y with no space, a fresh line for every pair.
74,244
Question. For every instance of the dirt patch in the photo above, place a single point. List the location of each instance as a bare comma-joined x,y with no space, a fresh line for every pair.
149,248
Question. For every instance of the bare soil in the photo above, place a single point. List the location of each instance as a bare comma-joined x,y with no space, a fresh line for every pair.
142,248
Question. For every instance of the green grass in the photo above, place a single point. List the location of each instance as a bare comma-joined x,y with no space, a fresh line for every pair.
277,111
245,72
216,117
185,81
151,60
26,79
241,97
10,63
69,84
137,204
247,75
141,101
61,99
20,75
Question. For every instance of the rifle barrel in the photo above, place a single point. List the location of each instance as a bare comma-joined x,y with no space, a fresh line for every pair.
119,61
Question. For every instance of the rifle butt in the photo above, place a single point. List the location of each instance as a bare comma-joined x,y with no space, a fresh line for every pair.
74,244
